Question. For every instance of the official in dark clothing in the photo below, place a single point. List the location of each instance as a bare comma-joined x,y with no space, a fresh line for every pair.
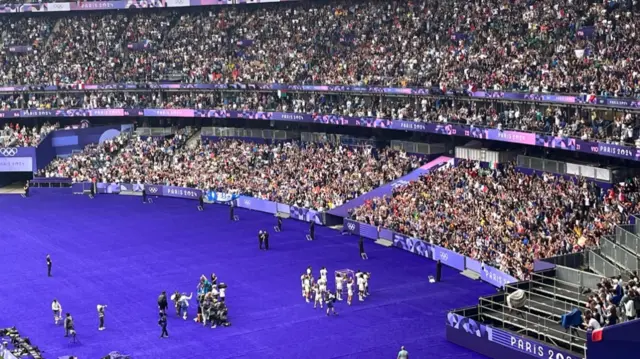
261,239
49,265
279,224
144,195
162,322
438,270
163,304
312,230
201,202
266,240
92,191
363,254
231,216
26,189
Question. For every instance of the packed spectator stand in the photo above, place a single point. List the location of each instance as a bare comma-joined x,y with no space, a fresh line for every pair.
531,46
320,177
16,135
503,217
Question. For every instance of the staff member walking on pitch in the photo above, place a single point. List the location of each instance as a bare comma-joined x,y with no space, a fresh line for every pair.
49,265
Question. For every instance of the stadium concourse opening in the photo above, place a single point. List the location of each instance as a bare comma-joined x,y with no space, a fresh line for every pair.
117,251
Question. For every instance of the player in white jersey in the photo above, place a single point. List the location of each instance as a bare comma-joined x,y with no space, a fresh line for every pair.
323,273
322,285
306,287
304,293
365,278
318,296
349,290
57,311
309,270
360,282
339,285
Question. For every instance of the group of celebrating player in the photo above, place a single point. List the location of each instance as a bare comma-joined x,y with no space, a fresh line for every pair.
318,289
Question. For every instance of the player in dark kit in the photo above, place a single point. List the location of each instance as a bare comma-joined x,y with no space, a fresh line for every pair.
330,300
162,322
162,302
49,265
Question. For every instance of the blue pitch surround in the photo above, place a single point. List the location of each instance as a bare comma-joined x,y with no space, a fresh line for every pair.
114,250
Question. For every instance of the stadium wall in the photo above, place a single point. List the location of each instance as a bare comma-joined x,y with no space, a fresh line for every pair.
497,343
65,142
618,341
531,172
45,152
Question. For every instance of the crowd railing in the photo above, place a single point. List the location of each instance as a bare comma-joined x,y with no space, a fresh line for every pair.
632,104
625,236
420,247
539,327
619,255
239,201
600,265
581,278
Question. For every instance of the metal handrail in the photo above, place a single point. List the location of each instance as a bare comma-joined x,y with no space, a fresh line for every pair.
559,304
577,341
534,275
566,293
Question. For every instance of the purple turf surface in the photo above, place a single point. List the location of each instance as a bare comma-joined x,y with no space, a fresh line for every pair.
114,250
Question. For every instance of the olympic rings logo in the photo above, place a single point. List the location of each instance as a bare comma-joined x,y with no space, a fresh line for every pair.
351,226
153,189
8,151
444,256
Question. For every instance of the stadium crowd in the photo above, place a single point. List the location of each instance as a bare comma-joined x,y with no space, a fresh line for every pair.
88,164
613,301
584,46
16,135
500,216
307,175
594,125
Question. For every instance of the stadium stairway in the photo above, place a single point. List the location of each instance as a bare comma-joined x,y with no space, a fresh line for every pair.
547,299
195,138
